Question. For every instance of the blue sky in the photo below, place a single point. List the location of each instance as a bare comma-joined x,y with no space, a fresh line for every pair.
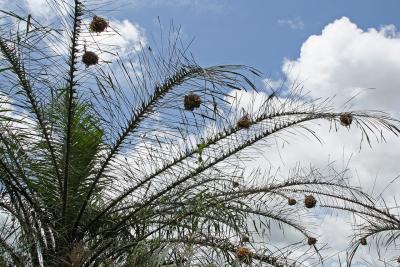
249,32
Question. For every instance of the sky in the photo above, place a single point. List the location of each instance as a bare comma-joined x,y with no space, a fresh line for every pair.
257,33
342,48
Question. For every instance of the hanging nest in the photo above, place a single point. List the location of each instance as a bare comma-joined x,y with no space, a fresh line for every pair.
90,58
192,101
310,201
312,241
346,119
363,241
235,184
244,238
244,255
244,122
292,201
98,24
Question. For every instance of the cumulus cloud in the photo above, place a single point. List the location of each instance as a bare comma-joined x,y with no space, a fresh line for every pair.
294,24
348,61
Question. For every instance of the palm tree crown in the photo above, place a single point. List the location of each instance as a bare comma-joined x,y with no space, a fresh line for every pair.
139,161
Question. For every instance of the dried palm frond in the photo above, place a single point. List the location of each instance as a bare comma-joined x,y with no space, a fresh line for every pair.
244,255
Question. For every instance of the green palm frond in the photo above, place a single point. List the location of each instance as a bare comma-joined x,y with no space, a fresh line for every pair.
109,163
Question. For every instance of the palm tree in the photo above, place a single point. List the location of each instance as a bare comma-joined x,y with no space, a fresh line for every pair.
140,161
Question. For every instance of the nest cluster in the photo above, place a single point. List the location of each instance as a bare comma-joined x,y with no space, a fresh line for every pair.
310,201
346,119
244,122
244,255
192,101
98,24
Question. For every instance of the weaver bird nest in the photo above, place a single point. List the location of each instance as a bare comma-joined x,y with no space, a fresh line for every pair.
192,101
235,184
98,24
90,58
244,122
244,255
311,241
292,201
244,238
363,241
310,201
346,119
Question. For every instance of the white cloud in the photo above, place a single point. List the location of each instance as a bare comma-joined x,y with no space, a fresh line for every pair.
344,60
347,61
131,36
39,8
294,24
